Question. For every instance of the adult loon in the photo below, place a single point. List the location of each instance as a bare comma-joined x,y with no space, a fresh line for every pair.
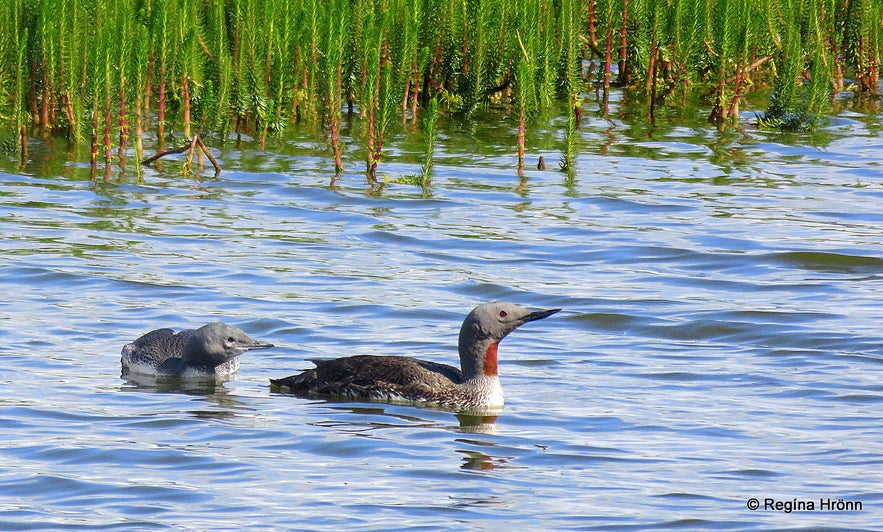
399,378
210,351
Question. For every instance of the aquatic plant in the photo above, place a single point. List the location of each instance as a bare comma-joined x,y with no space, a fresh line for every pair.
430,122
332,80
13,50
568,29
174,67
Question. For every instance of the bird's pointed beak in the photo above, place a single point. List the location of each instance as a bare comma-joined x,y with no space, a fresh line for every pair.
260,345
539,314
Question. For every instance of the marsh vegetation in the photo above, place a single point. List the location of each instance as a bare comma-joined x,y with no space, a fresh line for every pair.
107,74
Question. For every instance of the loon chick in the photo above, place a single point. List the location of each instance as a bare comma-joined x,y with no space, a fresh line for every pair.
211,351
396,378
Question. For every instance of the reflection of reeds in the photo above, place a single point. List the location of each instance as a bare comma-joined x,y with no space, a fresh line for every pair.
201,67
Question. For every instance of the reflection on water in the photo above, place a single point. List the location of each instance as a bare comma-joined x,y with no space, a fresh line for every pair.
477,423
222,404
161,383
482,462
722,340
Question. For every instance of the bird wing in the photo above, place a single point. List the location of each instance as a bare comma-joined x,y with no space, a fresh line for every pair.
158,346
366,372
399,371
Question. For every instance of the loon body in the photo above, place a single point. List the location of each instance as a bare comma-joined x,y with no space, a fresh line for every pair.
476,384
211,351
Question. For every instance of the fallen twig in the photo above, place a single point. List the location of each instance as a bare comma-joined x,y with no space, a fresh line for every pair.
208,155
189,147
163,153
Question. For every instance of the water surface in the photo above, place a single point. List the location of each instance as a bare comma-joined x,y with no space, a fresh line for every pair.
720,339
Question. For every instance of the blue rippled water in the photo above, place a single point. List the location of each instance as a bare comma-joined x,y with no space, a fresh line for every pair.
720,341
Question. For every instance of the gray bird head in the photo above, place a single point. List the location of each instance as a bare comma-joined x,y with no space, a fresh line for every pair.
216,343
487,324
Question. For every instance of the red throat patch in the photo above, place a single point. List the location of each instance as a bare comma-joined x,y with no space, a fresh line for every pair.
490,360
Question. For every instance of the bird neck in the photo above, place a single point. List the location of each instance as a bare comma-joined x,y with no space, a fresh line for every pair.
479,359
490,360
195,356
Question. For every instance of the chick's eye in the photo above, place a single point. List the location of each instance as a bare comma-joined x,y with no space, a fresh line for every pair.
503,314
230,340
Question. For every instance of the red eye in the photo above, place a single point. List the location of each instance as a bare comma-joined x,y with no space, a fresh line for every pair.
503,314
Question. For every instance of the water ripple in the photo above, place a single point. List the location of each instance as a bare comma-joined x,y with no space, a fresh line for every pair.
720,338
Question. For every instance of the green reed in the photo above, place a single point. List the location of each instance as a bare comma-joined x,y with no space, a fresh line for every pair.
411,59
217,95
525,91
430,123
332,78
13,57
110,72
569,23
137,87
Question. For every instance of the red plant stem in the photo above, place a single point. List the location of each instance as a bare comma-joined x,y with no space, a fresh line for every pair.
379,147
185,88
607,58
838,69
44,101
107,122
465,68
651,66
593,23
384,51
23,136
436,61
66,106
335,146
124,123
737,92
93,160
873,76
414,93
412,88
